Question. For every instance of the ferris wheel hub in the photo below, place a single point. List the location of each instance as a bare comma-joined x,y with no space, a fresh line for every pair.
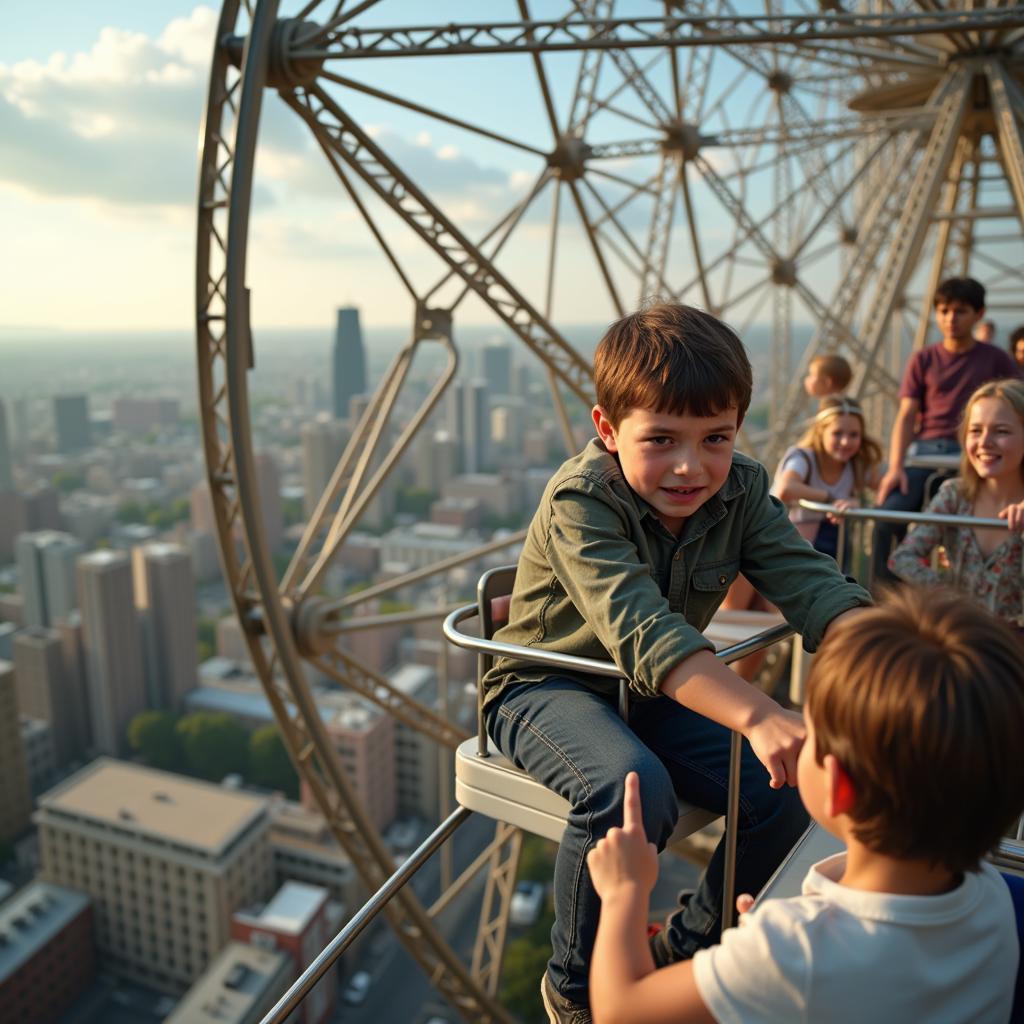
309,619
287,68
568,158
682,139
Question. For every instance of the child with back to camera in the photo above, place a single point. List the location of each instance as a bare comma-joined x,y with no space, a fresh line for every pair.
832,463
987,563
914,715
632,548
827,375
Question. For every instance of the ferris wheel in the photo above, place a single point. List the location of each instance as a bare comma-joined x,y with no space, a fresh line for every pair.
812,167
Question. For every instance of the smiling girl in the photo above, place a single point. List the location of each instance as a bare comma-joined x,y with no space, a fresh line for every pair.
832,463
986,563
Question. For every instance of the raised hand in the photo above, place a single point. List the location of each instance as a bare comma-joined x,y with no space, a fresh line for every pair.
624,859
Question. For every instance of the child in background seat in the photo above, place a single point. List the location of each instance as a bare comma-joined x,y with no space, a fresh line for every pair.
914,716
827,375
988,564
832,463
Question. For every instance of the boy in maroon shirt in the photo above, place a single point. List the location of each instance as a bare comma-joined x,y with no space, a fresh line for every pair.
936,384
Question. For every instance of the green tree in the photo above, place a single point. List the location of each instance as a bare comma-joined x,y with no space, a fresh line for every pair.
526,959
291,508
66,481
269,764
215,745
537,859
206,638
130,512
414,501
154,736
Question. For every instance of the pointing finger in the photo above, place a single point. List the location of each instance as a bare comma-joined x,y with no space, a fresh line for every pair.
632,816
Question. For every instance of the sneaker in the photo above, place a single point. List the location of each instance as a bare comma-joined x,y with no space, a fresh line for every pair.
559,1009
662,952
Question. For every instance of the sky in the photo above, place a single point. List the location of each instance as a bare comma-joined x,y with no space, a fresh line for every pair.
100,111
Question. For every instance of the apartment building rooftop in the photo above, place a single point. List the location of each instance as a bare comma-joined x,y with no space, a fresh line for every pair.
237,988
169,808
32,918
290,910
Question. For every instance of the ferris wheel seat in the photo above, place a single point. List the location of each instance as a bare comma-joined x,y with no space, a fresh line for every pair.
496,788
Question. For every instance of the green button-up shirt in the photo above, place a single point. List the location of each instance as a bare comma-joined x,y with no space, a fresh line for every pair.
601,576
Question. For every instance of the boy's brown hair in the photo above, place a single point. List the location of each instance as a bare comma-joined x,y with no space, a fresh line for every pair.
960,289
921,700
671,358
836,368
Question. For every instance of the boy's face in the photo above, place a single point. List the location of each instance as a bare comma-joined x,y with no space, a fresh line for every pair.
956,320
818,384
675,462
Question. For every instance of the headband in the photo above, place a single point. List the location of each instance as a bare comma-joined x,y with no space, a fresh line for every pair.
845,407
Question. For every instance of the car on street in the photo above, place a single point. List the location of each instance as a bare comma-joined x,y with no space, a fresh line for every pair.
357,989
527,903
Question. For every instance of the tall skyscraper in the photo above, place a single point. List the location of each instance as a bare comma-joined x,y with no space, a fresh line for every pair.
15,801
323,441
349,361
46,571
47,689
269,482
476,440
496,365
165,594
111,646
6,474
71,419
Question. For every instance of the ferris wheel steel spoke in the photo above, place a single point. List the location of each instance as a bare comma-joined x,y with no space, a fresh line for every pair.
353,675
588,75
695,246
399,192
595,248
1006,100
341,604
437,115
506,226
633,186
612,210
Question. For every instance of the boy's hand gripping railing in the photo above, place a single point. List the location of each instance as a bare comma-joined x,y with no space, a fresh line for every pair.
488,649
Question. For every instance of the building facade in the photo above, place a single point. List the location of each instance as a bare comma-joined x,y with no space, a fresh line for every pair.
165,859
15,799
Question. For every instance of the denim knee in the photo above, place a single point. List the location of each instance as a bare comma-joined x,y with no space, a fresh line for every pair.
658,800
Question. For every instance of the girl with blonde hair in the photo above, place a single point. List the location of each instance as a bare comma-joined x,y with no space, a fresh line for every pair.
833,462
988,562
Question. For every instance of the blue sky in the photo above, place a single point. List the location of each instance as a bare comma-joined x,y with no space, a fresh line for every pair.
100,109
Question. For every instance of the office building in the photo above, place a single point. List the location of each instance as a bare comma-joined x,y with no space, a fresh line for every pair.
47,953
40,759
349,366
416,761
71,422
165,595
46,573
15,801
142,415
297,921
268,481
6,460
111,647
323,442
469,423
166,860
496,366
241,985
305,850
48,689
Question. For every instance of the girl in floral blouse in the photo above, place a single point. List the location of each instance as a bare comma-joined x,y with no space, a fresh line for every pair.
987,563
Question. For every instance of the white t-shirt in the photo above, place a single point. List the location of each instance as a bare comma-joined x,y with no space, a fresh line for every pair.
838,954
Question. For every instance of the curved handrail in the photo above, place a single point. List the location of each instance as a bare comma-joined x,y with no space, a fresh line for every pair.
592,666
886,515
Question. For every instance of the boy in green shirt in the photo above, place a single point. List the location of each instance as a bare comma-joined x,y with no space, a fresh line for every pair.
632,549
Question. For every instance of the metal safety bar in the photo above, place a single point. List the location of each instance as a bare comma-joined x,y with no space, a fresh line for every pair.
885,515
608,670
326,959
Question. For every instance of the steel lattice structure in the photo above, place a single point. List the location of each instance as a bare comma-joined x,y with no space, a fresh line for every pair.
816,166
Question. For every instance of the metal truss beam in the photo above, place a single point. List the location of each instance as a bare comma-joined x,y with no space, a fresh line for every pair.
401,194
354,42
488,951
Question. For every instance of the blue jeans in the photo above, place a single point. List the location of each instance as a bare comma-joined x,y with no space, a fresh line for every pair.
572,740
888,535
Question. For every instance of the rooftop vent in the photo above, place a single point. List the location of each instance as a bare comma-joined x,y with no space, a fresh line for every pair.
162,797
236,977
125,815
